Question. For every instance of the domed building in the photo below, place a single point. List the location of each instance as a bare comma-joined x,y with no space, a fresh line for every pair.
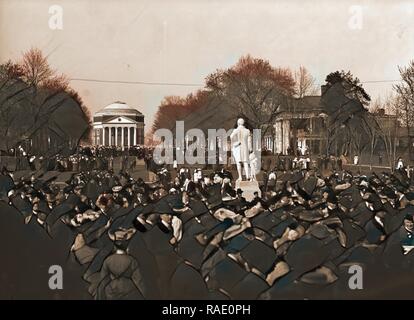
118,125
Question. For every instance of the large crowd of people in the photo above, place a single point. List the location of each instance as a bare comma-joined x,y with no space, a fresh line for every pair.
81,159
192,234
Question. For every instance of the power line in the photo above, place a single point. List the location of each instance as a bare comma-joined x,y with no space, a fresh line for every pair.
184,84
379,81
375,81
140,82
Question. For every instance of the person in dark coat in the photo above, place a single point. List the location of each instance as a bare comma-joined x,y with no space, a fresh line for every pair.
120,276
255,200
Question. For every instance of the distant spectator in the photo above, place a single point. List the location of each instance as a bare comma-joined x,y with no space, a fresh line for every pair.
400,164
356,160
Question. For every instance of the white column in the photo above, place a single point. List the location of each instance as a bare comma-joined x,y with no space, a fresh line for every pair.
122,137
103,136
116,136
135,135
278,137
286,135
109,136
112,136
129,136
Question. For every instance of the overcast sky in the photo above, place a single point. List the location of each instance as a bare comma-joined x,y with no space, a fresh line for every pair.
182,41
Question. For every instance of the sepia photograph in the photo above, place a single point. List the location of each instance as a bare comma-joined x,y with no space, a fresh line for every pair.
206,150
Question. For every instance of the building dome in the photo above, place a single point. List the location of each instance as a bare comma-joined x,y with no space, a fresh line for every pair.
118,125
118,108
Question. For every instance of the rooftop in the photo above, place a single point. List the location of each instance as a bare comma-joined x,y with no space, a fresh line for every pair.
118,108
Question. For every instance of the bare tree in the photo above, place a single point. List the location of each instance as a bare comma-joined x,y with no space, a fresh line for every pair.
174,108
376,105
389,136
405,95
254,88
35,67
386,129
34,99
304,83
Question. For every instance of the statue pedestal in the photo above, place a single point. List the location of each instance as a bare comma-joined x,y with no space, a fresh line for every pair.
248,187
